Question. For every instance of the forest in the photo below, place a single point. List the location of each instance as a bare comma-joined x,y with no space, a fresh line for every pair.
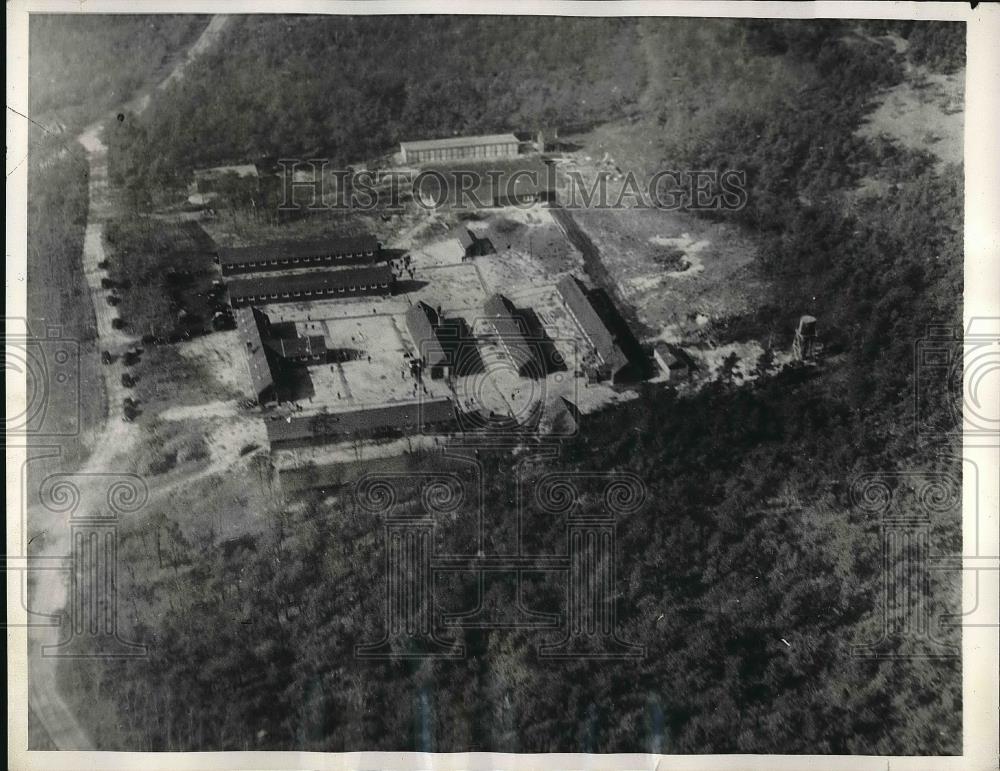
84,65
749,572
349,88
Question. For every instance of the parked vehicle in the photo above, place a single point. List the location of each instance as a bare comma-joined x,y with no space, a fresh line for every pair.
106,357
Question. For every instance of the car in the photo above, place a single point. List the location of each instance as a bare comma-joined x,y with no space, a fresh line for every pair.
106,357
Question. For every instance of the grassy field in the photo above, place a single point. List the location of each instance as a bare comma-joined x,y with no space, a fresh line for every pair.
82,65
924,112
57,293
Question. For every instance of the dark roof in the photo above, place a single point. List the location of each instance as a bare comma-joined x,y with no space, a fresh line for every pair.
280,250
311,281
216,172
503,316
249,332
673,356
593,327
297,347
436,144
422,322
410,415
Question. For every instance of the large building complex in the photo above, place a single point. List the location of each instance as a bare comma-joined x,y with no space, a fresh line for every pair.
312,285
299,254
460,148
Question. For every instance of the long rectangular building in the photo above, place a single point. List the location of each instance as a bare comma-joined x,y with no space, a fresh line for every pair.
434,414
317,285
460,148
511,331
608,361
299,254
248,328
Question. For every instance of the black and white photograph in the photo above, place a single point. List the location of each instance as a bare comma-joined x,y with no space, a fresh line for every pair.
539,381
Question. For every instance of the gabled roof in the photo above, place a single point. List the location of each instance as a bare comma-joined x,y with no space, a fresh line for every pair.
503,316
422,322
449,142
240,170
465,237
593,326
315,281
284,250
405,416
249,332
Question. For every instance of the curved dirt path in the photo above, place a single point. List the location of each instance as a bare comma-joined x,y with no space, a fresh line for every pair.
49,589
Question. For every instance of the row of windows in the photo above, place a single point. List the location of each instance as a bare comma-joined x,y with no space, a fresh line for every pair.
310,292
476,151
297,260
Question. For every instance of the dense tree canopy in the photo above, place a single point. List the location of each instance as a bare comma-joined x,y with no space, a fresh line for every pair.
749,572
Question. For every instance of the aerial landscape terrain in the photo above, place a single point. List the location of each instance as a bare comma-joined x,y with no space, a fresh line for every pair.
518,474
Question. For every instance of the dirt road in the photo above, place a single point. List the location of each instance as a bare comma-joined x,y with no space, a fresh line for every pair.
49,590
